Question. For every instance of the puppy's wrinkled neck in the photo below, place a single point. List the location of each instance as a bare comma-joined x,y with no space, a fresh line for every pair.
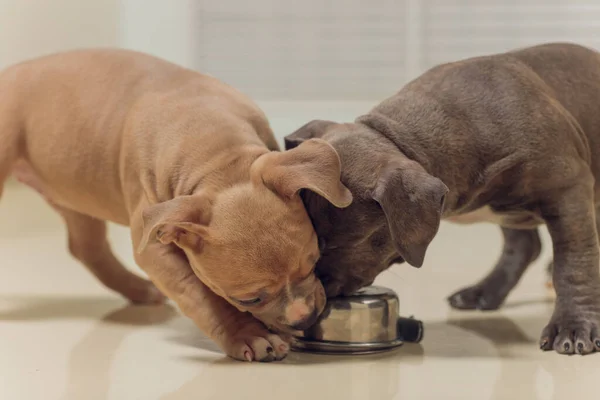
398,134
227,169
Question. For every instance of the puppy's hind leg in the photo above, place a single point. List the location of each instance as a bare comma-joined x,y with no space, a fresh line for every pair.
88,243
521,248
9,143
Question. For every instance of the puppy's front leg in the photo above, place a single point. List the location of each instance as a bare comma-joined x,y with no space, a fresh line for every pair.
575,323
521,248
550,265
240,335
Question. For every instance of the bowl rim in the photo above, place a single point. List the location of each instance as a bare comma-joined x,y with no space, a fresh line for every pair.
328,346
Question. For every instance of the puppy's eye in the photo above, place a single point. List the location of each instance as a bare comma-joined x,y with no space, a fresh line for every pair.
250,302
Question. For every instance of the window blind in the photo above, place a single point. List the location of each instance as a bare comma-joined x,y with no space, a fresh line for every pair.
363,50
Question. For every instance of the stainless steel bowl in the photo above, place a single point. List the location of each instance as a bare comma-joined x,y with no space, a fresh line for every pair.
367,321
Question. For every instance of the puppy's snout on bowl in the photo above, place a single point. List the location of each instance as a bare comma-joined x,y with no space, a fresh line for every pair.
302,312
307,322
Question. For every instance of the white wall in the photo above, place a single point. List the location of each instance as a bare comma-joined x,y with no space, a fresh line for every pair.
454,29
309,49
30,28
164,28
359,49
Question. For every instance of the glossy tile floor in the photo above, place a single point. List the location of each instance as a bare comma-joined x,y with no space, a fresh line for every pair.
63,336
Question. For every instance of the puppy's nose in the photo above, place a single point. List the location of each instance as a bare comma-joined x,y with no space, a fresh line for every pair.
297,310
306,322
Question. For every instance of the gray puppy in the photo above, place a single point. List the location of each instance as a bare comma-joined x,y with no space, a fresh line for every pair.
512,138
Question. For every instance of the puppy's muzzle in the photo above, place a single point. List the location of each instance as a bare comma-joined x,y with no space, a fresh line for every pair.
306,322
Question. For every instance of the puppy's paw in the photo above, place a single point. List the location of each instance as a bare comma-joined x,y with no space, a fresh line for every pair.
256,343
476,298
572,332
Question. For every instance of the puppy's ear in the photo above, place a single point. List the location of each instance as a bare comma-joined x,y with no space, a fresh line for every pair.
311,130
183,221
412,201
313,165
